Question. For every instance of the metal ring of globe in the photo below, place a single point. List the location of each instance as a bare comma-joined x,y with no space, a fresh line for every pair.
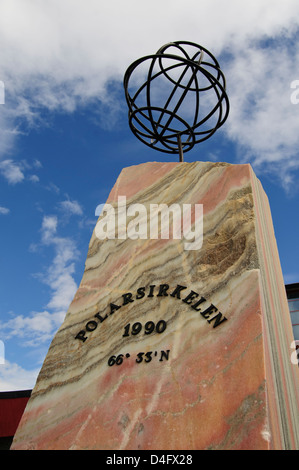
167,128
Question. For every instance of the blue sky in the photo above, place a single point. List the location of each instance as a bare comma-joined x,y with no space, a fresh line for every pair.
64,136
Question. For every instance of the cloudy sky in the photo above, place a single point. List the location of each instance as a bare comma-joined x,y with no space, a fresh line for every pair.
64,136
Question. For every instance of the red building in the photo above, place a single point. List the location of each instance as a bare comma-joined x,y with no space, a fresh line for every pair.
12,406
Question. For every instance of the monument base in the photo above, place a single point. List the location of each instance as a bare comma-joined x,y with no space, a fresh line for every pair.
170,348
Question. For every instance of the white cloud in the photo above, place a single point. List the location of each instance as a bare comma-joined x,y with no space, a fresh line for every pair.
59,55
52,188
4,210
33,178
11,171
263,121
36,328
48,229
14,171
37,164
71,207
13,377
59,276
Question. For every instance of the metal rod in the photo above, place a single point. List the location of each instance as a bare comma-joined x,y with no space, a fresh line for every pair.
201,57
180,148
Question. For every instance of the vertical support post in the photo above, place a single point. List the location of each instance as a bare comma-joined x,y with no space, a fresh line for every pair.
180,148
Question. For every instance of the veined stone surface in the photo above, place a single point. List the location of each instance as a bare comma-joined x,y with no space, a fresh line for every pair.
215,372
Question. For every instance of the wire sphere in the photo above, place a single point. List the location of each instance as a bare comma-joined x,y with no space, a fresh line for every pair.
181,100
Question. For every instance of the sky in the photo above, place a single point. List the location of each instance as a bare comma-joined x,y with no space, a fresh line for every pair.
64,136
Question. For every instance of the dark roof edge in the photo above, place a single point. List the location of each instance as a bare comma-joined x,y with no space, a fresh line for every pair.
15,394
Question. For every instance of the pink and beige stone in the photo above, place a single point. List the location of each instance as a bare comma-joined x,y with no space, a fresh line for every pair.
201,383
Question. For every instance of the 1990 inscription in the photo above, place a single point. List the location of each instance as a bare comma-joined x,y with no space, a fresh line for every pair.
149,328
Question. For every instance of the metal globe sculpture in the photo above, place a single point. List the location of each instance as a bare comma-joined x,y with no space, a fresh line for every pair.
176,97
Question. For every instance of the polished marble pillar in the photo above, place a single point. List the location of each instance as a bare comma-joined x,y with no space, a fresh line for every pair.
168,345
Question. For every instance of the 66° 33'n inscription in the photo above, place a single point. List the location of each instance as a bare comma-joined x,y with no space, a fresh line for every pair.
140,357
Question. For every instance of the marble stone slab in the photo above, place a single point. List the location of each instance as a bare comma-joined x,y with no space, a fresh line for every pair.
168,348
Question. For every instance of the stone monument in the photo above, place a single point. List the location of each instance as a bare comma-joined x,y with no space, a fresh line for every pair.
179,334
